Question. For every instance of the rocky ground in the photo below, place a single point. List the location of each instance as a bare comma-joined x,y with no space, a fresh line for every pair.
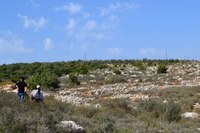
130,84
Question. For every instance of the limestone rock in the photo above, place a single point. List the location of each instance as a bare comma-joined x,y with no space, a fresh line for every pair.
191,115
70,126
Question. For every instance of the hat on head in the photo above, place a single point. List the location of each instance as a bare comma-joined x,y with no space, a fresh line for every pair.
38,86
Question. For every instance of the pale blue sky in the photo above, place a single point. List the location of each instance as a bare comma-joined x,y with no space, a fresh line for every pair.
63,30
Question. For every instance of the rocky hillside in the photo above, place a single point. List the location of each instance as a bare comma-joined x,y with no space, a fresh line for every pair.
127,81
143,97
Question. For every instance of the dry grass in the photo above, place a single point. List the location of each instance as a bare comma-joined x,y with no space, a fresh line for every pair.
115,115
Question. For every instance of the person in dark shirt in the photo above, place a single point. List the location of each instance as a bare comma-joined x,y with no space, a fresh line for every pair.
21,89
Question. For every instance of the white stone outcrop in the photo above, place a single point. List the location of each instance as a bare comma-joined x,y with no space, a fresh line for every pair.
191,115
70,126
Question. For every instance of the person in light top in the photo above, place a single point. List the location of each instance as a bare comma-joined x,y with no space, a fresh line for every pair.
37,94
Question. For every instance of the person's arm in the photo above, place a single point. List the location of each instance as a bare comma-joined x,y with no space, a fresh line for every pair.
26,88
17,87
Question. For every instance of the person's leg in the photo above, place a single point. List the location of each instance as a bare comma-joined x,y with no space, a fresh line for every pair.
21,97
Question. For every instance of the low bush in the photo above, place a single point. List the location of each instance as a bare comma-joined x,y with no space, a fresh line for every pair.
74,79
114,79
117,72
140,65
162,69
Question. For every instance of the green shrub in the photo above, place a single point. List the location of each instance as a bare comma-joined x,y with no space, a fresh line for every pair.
162,69
46,79
82,69
73,79
14,79
140,65
118,72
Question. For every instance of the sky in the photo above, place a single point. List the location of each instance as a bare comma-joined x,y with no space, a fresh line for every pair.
65,30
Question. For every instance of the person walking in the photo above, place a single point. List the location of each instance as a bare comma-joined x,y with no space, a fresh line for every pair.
21,89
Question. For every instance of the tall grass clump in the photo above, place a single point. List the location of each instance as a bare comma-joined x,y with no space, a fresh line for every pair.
156,109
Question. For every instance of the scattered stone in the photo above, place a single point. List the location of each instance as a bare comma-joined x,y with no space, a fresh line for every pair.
165,101
196,106
63,93
70,126
198,129
191,115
